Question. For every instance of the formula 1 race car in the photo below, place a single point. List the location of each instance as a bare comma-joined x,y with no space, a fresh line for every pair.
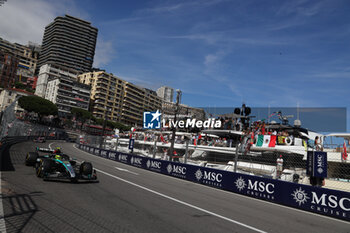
58,166
39,139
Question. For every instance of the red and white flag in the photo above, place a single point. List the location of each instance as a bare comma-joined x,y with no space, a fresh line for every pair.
344,154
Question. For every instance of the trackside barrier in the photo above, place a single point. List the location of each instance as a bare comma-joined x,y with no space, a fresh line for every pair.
7,142
323,201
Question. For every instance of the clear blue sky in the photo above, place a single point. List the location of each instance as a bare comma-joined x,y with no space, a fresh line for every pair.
218,52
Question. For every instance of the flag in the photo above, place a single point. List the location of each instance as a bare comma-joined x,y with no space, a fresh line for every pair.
266,140
280,140
305,145
260,140
272,141
252,138
344,154
274,113
263,129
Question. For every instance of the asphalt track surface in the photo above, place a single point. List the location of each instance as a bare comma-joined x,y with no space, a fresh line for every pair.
129,199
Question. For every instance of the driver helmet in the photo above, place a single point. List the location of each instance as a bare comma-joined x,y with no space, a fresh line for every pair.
58,157
57,150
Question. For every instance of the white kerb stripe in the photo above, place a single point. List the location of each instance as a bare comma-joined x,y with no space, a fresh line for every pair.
182,202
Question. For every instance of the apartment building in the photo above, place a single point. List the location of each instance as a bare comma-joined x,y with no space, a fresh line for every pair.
8,69
50,71
166,93
8,96
185,111
67,93
118,100
27,56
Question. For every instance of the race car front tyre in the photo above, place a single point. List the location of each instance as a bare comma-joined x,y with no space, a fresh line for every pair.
44,167
31,158
86,169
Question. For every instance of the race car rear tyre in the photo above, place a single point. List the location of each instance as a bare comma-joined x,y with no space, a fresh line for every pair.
44,167
31,158
86,169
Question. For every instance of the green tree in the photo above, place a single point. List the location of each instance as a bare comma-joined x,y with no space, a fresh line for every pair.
41,106
81,115
112,124
30,90
19,85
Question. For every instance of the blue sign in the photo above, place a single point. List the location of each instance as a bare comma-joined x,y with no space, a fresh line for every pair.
309,162
320,164
323,201
316,163
152,120
131,143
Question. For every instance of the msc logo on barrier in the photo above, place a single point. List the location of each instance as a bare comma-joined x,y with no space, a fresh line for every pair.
300,196
177,170
136,161
151,120
112,155
323,202
154,165
209,178
240,184
104,153
123,158
256,188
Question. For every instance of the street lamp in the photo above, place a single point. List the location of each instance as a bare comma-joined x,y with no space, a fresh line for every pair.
178,99
104,127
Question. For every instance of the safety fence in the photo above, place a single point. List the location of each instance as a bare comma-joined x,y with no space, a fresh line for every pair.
5,144
12,126
323,201
292,168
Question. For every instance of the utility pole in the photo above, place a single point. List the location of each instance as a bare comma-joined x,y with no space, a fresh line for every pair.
178,98
103,129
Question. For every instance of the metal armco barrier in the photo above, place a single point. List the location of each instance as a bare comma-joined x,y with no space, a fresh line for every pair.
323,201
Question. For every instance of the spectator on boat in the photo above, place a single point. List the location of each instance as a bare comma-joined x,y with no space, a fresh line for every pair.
318,145
285,133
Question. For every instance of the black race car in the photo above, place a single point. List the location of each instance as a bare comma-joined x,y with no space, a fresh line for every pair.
55,166
39,139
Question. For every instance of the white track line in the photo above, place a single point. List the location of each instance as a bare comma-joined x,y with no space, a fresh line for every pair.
50,145
182,202
126,170
2,216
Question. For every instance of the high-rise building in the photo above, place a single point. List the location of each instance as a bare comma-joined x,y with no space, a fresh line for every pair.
69,42
118,100
166,93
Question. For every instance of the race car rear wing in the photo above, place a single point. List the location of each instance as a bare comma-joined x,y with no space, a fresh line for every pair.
44,149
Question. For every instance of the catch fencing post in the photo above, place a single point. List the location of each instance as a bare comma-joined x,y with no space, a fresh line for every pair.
236,157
